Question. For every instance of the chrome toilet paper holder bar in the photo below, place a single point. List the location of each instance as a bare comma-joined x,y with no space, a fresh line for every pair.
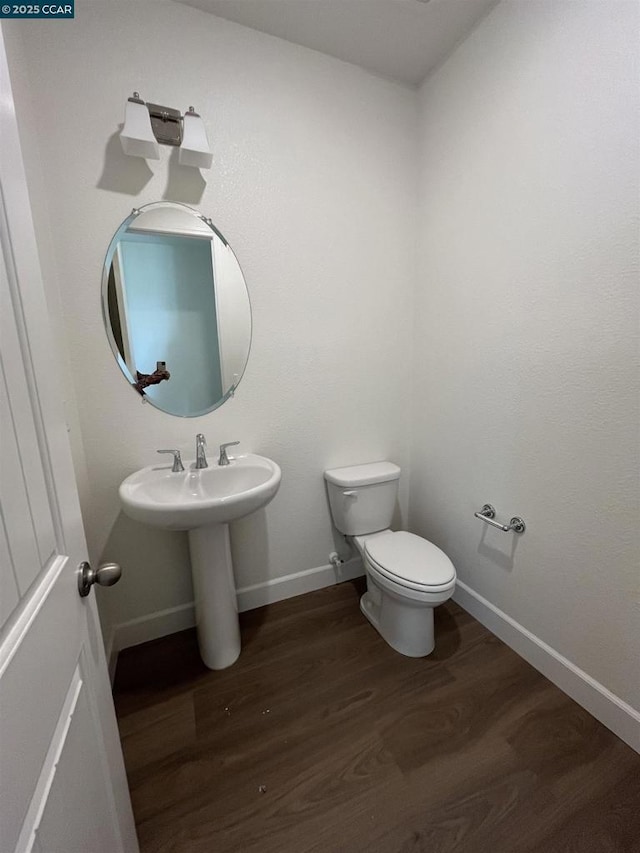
488,514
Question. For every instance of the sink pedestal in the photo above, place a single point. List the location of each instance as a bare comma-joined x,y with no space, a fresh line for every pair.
215,594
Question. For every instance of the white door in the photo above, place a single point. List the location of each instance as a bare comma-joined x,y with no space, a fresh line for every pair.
62,782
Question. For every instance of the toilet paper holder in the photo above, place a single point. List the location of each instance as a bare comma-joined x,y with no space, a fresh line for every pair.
488,514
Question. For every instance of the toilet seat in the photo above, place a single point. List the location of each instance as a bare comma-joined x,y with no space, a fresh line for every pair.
410,561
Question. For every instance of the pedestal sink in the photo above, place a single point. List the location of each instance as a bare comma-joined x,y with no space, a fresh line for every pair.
203,502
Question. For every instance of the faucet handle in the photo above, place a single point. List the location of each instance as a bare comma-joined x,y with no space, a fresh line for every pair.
224,459
177,460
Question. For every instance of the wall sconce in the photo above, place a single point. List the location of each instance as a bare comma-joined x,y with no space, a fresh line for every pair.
147,125
137,135
194,150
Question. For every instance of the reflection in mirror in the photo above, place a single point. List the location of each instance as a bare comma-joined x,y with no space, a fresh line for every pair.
176,309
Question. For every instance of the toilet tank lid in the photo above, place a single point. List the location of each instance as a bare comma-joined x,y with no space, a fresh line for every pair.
363,475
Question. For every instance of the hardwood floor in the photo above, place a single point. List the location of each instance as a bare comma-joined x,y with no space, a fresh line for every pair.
321,739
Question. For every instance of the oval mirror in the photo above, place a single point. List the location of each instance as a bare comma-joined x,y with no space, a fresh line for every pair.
176,309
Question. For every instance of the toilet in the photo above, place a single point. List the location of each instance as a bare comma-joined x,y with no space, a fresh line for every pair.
407,576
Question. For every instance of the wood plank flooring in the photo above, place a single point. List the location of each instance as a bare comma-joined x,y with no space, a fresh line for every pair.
321,739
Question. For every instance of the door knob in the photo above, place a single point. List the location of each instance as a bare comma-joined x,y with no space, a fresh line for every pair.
106,575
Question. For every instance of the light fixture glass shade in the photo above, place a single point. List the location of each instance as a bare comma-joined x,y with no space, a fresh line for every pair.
194,150
137,136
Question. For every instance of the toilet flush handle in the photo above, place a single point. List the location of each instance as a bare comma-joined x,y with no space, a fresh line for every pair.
350,493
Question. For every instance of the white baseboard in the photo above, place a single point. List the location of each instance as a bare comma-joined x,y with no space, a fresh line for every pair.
163,622
250,597
605,706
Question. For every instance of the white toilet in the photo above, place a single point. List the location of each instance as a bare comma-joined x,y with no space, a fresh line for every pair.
407,576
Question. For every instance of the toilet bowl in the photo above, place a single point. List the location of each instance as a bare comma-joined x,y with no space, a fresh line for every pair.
407,576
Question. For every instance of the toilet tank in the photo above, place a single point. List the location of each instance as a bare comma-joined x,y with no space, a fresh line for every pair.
363,497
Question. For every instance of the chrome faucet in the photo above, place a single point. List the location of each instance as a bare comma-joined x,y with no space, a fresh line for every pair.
224,459
201,459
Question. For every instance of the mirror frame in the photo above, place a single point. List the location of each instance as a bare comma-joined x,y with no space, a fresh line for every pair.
104,298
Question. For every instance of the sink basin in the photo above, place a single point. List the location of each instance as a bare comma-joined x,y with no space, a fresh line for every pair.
198,498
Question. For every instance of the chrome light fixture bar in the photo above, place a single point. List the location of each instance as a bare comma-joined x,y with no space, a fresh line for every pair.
146,126
166,124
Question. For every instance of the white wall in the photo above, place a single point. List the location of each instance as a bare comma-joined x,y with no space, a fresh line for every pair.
313,184
526,388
